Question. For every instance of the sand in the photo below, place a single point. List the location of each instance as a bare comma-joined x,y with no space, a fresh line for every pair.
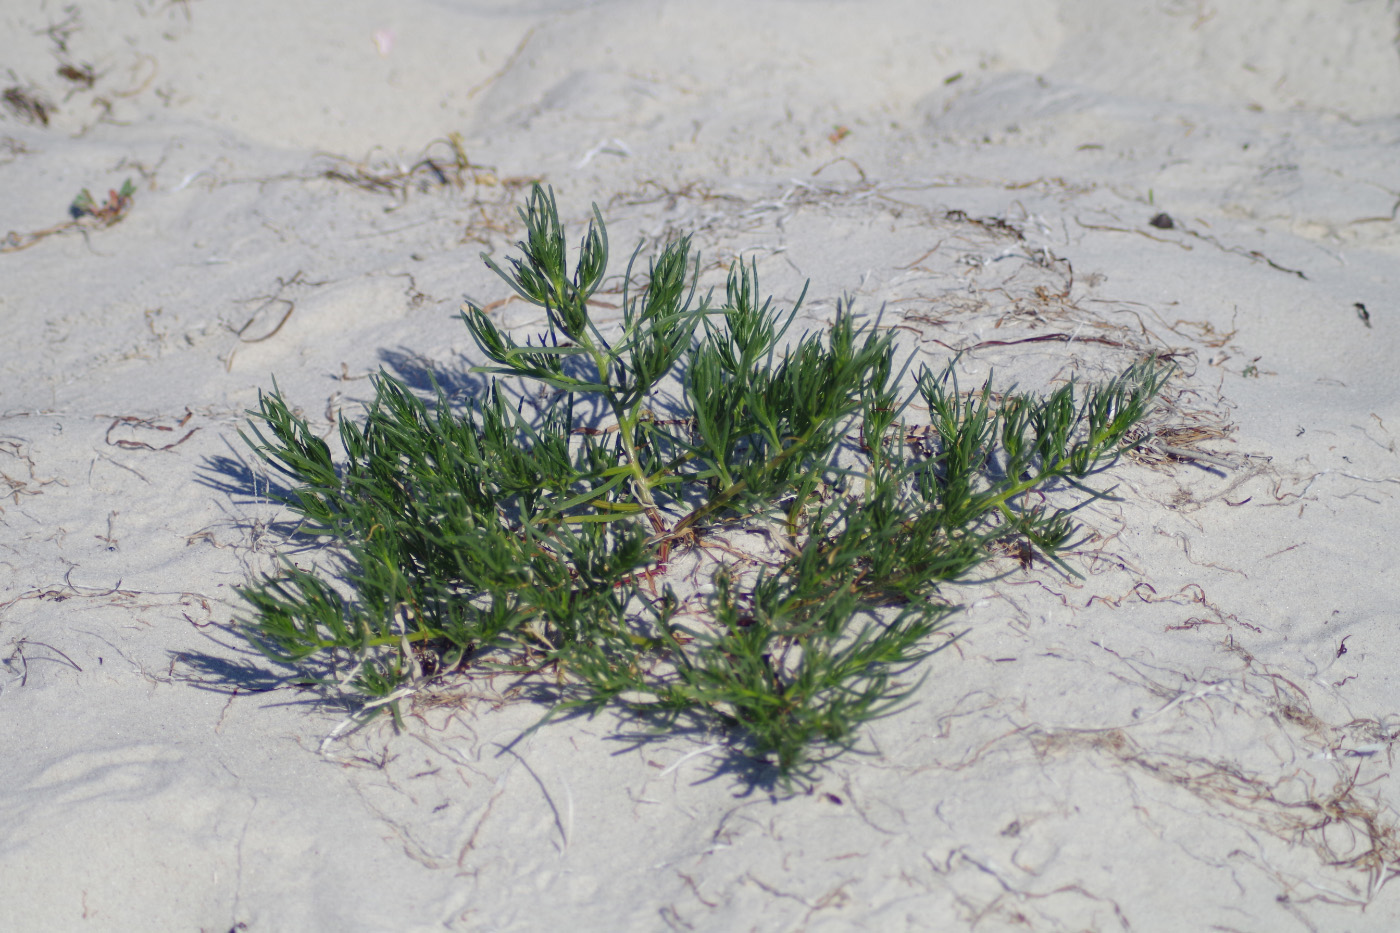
1198,734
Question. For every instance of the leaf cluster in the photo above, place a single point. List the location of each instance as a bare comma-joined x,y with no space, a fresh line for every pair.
488,537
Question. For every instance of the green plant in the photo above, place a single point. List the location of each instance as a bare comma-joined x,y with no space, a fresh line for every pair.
492,538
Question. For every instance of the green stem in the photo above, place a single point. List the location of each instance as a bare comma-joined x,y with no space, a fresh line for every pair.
718,502
626,429
1039,479
999,500
725,495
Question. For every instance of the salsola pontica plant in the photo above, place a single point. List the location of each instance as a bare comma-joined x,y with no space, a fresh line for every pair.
505,537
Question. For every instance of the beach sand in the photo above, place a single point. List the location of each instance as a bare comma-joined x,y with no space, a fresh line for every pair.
1198,734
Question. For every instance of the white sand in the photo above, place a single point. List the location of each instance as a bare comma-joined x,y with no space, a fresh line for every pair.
1176,742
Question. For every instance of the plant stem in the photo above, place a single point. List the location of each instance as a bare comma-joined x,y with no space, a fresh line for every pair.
626,429
722,498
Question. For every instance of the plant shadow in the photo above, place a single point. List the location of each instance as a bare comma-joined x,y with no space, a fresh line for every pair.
426,377
722,755
233,668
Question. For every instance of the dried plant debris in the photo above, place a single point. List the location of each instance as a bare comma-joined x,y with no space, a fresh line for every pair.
1316,798
83,77
1181,442
28,104
18,476
443,163
60,32
980,286
546,535
87,214
109,211
11,149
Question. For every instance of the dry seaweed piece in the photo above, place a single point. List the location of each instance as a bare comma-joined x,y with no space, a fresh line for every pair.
81,75
396,179
28,105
